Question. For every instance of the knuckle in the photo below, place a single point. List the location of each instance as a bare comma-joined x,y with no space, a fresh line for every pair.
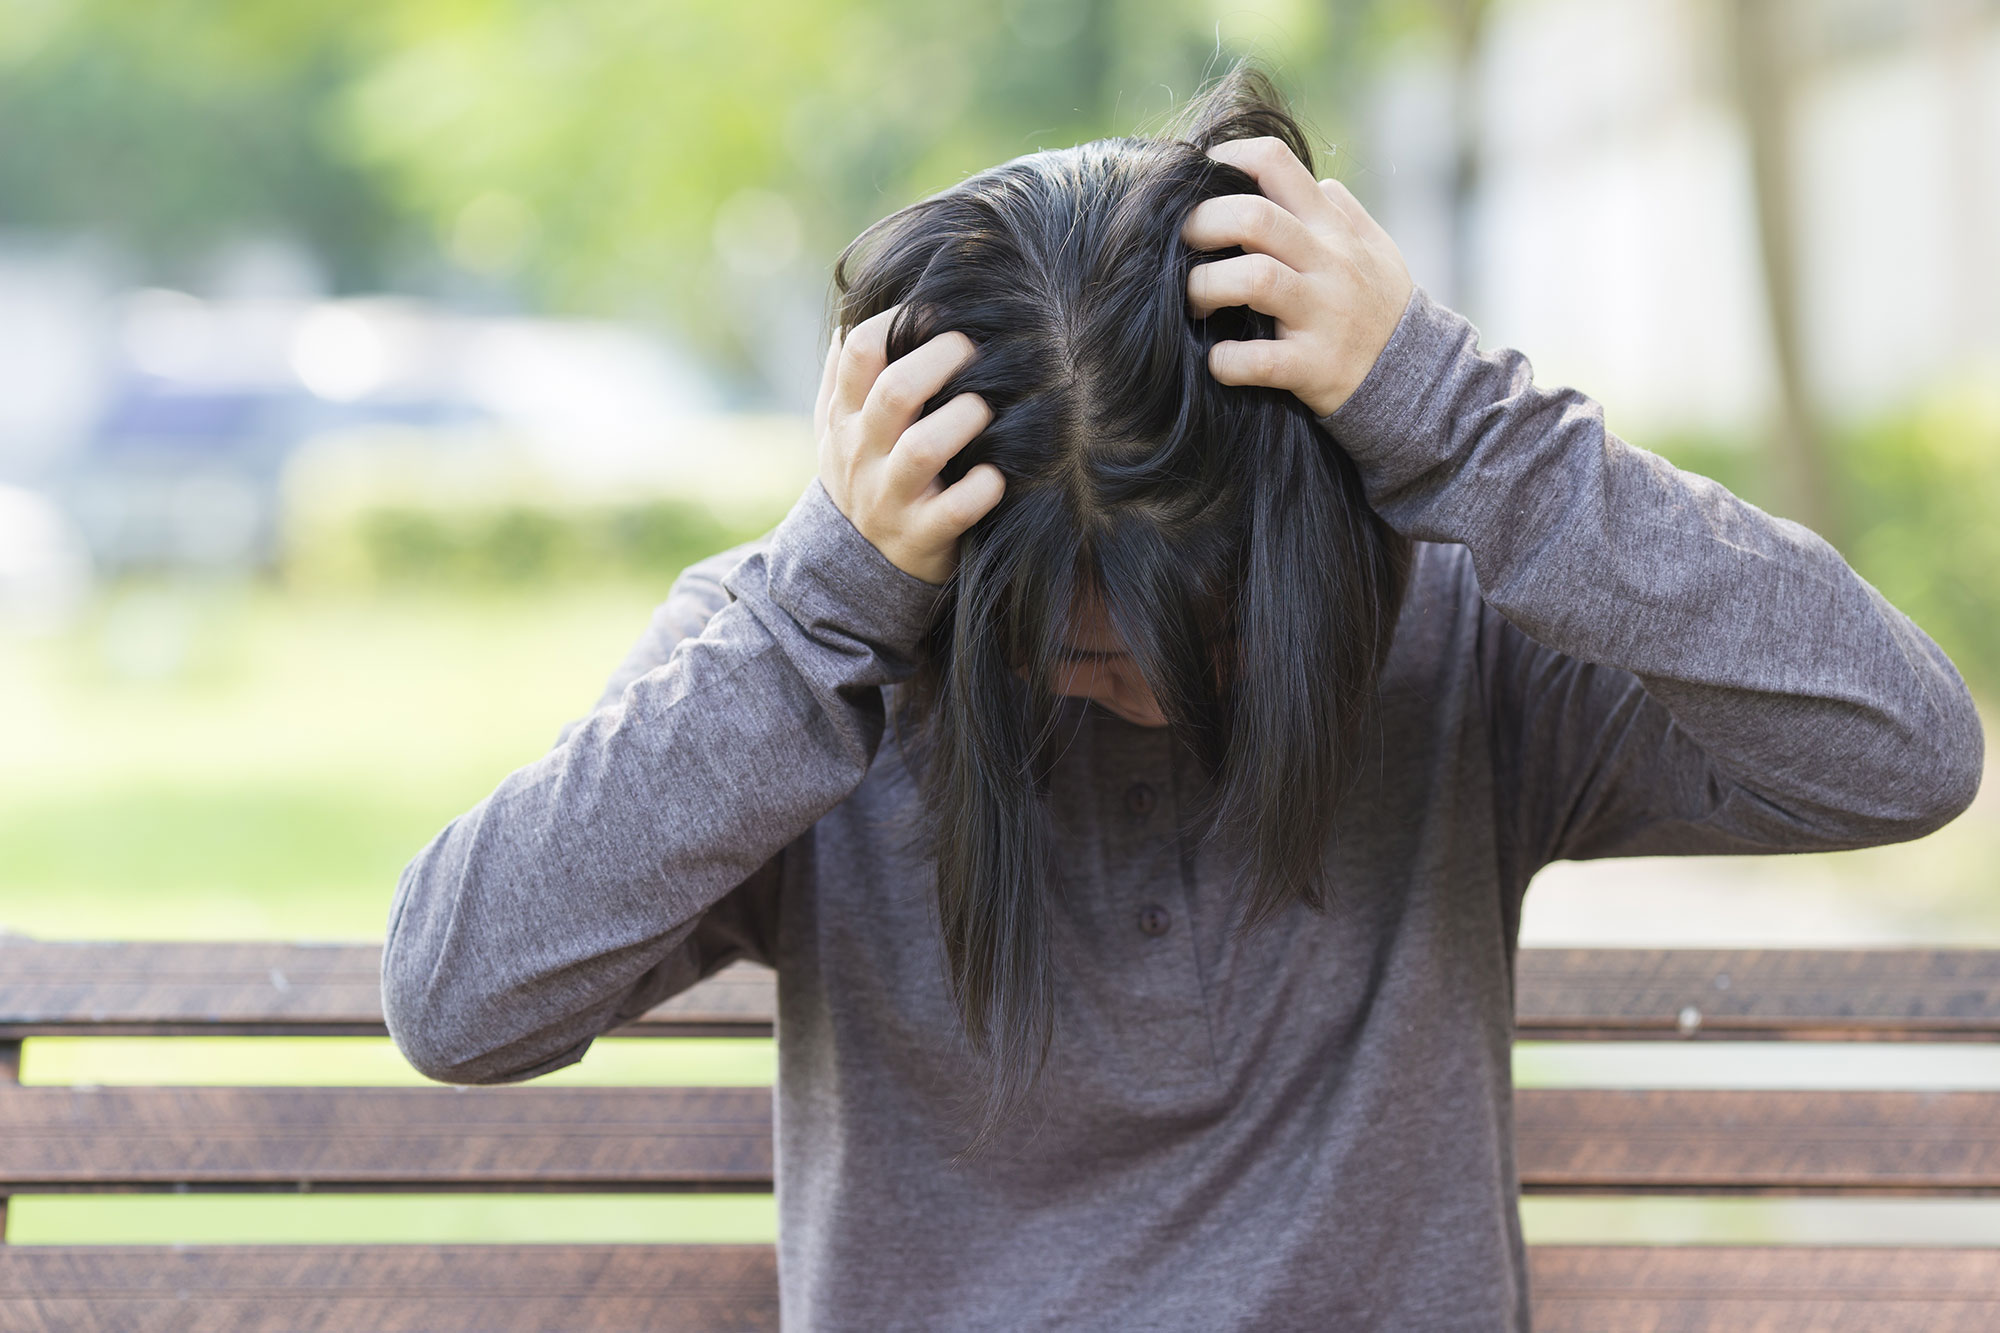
871,335
1268,148
1267,275
1237,220
960,513
1255,217
864,349
923,451
976,408
895,393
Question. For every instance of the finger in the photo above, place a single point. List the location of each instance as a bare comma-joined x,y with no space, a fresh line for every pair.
1343,199
966,501
902,389
826,377
864,352
1363,222
1279,174
1257,361
1258,281
935,440
1252,222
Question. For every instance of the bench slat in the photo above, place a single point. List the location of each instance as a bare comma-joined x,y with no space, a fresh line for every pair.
238,1289
1777,994
1710,1140
49,987
393,1288
1641,1289
1568,1140
489,1137
260,988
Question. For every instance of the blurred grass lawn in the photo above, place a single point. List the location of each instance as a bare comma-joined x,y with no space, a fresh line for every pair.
231,763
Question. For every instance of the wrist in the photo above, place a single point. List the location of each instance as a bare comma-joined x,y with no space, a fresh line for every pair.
1402,401
823,569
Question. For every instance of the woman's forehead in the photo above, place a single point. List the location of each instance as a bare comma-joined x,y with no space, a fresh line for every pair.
1089,632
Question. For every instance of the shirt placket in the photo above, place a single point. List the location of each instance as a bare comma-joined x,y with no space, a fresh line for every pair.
1150,905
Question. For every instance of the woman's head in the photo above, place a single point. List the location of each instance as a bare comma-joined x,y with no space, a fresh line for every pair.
1209,544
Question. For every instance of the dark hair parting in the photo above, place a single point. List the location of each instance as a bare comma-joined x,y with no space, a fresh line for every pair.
1222,531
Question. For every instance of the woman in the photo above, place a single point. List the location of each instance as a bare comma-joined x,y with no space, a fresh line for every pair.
1133,765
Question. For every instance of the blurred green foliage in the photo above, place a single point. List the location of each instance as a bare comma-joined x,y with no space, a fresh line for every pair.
1919,494
1922,488
594,154
602,154
165,131
519,543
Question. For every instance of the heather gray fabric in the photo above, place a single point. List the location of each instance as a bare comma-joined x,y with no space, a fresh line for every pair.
1308,1130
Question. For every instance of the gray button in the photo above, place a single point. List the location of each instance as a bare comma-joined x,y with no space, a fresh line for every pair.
1155,919
1139,799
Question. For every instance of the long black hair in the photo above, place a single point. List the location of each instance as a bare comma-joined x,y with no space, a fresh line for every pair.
1221,530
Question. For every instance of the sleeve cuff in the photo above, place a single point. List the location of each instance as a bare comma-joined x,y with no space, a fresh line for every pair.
1403,399
824,571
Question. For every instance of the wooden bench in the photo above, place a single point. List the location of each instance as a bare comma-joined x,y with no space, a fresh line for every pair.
528,1138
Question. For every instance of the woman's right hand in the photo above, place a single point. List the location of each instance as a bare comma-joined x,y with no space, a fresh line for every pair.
879,462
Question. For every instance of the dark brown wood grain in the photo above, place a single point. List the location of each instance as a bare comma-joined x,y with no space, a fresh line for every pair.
492,1137
1590,1140
389,1288
241,1289
1772,994
1700,1288
107,989
257,988
535,1138
1568,1140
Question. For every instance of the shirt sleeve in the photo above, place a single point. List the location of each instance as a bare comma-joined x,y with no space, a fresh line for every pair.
565,901
1669,669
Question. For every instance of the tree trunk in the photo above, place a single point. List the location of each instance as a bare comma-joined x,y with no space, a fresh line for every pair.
1465,30
1765,67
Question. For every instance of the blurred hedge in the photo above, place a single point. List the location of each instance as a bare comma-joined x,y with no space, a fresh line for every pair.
478,507
1919,496
520,543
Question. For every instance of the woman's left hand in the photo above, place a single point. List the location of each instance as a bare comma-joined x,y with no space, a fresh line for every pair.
1315,262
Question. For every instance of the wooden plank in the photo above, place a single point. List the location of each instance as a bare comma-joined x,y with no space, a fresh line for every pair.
391,1288
1590,1140
56,1138
1681,1289
398,1288
274,988
119,988
271,988
1568,1140
1770,994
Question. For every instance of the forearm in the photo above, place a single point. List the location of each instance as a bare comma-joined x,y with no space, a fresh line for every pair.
517,932
1795,676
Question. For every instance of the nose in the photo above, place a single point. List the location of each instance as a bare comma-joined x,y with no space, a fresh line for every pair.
1136,698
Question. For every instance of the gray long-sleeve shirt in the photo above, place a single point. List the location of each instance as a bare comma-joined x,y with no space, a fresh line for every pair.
1600,655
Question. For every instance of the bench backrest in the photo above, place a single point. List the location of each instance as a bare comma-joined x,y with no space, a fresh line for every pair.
525,1137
